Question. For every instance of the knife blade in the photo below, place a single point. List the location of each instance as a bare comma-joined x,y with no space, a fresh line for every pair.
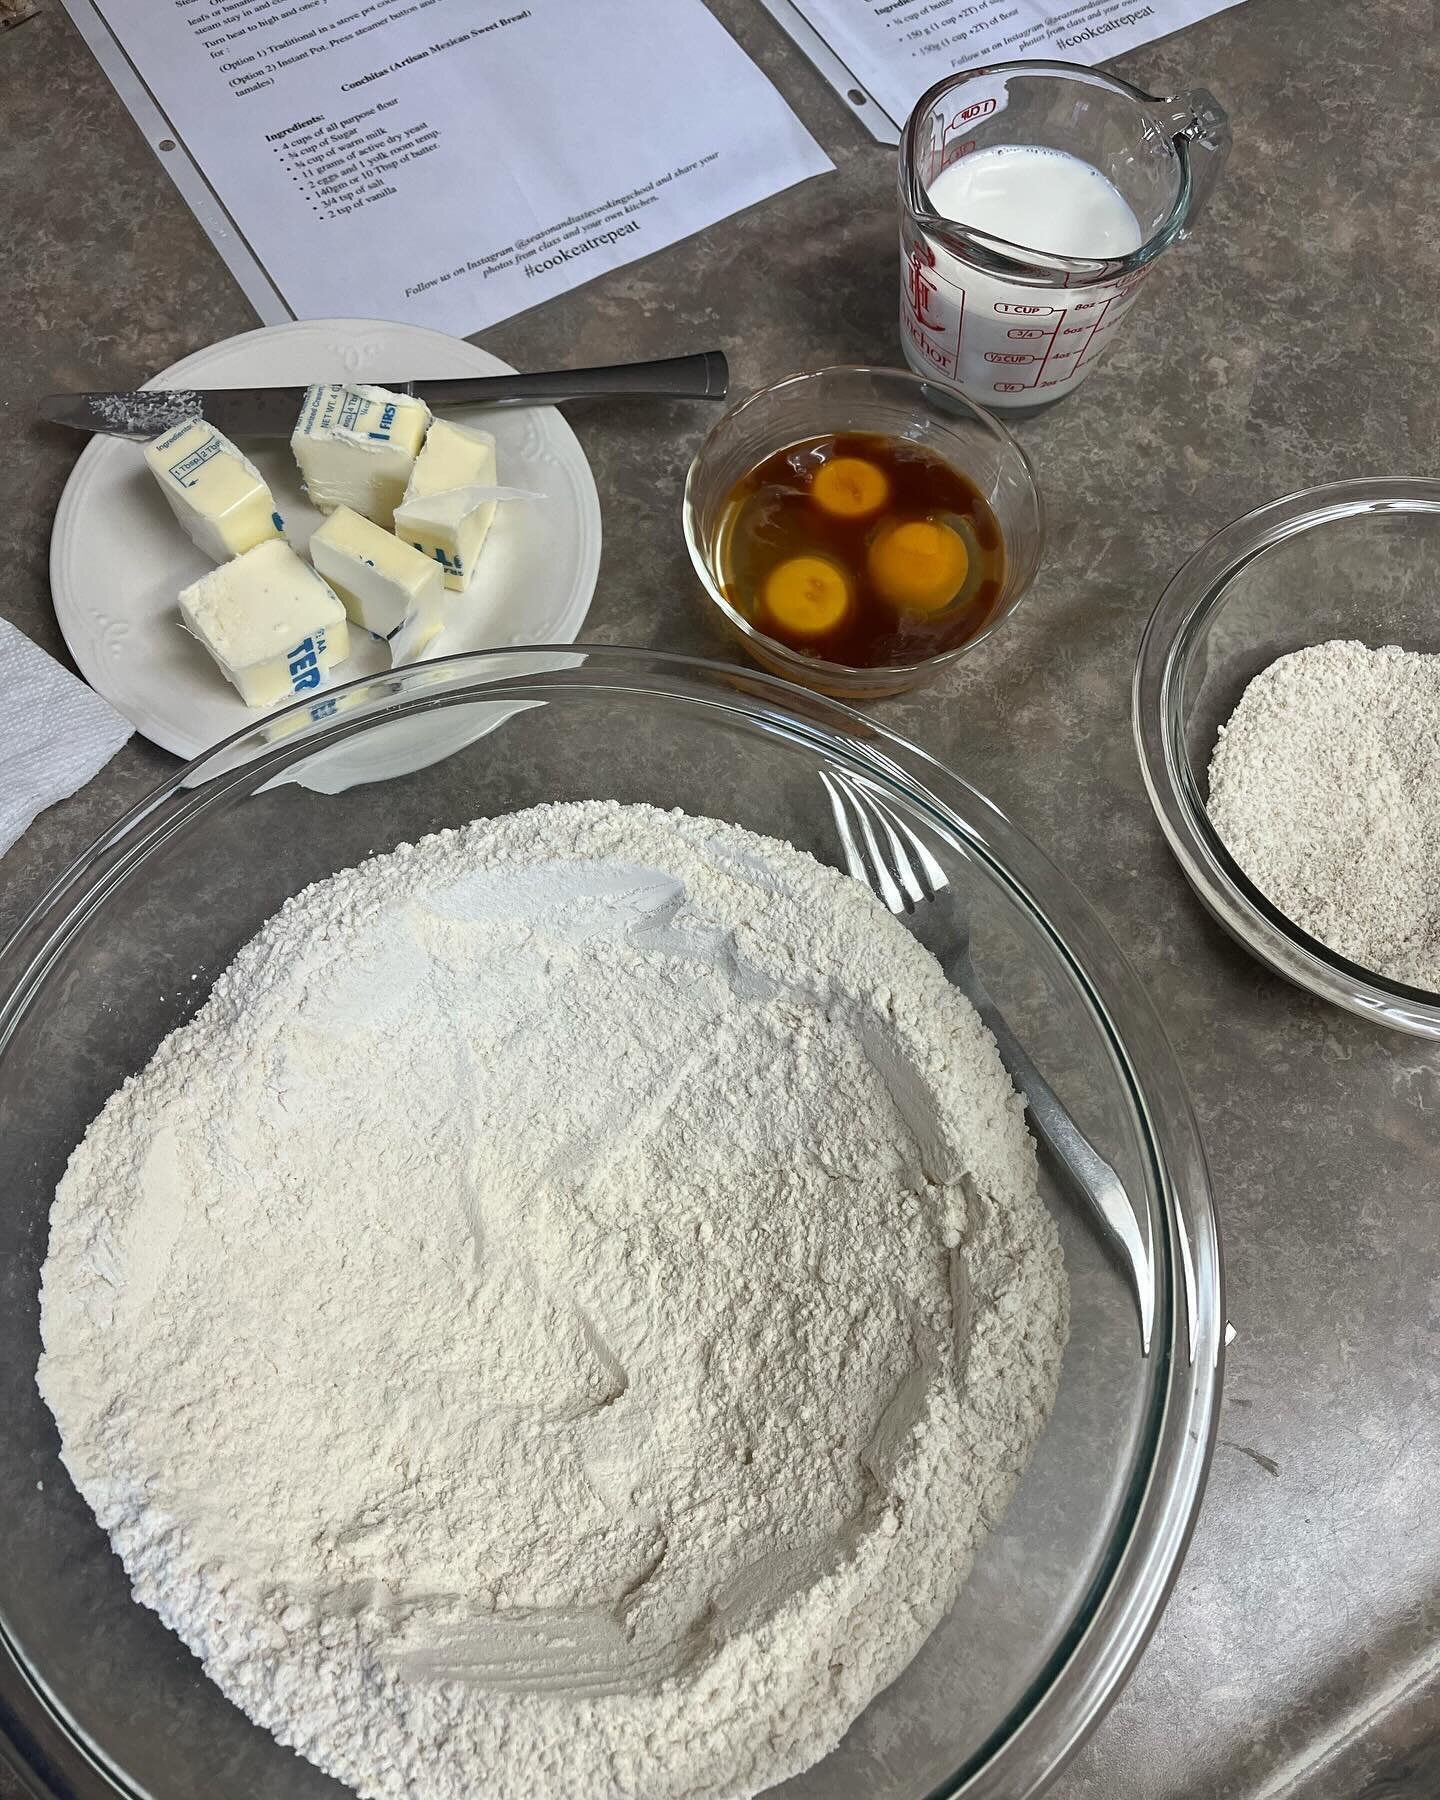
272,412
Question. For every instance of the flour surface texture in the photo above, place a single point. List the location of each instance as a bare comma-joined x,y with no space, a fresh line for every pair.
1325,788
561,1316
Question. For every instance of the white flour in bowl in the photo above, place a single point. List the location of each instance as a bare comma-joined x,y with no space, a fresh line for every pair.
560,1318
1325,788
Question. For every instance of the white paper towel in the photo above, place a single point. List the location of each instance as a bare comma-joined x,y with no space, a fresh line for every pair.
55,733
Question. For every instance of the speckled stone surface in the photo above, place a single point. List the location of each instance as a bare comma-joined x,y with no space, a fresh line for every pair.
1294,340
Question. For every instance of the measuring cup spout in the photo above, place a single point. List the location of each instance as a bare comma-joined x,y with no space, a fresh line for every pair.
1199,128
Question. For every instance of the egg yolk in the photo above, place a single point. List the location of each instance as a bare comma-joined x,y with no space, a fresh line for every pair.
919,565
808,595
849,487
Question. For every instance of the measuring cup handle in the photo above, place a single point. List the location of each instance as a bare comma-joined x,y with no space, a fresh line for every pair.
1197,122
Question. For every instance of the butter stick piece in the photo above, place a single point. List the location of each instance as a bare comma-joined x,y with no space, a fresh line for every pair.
387,588
271,624
356,447
217,494
442,516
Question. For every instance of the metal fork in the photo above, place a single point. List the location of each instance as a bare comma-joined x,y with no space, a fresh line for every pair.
892,860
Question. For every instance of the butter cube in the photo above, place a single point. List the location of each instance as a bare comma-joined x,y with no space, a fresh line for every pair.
388,588
269,621
217,494
356,447
445,514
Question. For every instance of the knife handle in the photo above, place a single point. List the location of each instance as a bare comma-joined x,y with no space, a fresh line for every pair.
704,376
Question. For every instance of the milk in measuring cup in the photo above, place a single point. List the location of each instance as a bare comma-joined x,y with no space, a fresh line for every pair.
1005,343
1043,199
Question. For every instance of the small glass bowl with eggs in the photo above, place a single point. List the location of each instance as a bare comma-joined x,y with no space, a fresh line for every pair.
858,529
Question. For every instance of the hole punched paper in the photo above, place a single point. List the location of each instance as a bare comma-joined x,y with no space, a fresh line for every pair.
441,163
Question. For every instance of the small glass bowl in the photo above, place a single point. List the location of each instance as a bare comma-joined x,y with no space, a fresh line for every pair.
898,404
1355,560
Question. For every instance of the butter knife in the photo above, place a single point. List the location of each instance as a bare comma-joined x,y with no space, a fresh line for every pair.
272,411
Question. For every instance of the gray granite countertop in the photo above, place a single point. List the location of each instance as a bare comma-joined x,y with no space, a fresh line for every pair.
1296,339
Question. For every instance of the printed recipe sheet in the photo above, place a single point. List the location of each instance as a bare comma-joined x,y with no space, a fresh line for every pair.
449,164
898,48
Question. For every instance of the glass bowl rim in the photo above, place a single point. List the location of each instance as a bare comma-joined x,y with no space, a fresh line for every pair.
852,673
1188,604
1070,1694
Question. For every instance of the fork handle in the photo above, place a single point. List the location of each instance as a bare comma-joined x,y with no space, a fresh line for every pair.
1088,1173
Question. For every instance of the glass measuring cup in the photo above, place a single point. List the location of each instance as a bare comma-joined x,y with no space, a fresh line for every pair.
1017,326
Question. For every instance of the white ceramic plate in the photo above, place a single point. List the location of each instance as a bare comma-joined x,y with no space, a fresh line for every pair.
118,558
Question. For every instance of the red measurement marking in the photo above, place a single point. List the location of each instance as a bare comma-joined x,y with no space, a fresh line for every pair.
1021,332
1009,356
920,288
954,153
979,109
1050,347
1013,306
1099,321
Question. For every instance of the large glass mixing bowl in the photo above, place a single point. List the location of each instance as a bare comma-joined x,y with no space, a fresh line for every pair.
97,1699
